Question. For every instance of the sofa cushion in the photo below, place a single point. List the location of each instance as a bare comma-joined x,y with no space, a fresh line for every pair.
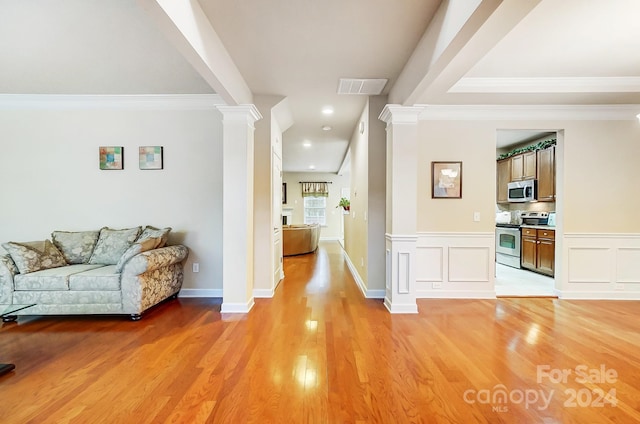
34,256
112,244
153,232
76,247
50,279
135,248
103,278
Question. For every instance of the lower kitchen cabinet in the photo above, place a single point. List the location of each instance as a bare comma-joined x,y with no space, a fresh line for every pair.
538,250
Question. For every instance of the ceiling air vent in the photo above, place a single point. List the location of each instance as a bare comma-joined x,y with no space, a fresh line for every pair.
369,87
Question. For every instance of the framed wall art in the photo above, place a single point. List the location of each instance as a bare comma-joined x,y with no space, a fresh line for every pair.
111,157
446,180
150,157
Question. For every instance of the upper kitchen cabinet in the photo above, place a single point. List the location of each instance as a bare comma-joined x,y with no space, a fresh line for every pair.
546,170
523,166
504,178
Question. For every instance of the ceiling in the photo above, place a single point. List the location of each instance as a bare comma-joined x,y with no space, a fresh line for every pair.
465,52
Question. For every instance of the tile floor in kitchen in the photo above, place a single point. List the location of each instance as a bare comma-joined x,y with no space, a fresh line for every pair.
519,282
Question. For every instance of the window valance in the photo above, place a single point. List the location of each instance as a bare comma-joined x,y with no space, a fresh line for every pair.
315,189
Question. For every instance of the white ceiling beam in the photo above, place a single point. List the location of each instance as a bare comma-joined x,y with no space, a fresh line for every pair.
480,31
187,27
443,28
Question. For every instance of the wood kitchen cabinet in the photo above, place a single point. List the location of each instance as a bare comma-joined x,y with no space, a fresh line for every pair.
538,250
546,170
523,166
504,178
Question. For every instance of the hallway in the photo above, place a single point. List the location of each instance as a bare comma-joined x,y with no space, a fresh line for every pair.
318,352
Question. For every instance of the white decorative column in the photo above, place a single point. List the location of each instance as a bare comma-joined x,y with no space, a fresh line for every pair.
237,207
401,226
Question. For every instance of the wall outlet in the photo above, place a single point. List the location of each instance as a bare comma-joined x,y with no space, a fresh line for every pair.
618,286
361,261
195,267
476,216
437,285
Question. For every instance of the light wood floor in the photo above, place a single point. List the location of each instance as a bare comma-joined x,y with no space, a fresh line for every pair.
318,352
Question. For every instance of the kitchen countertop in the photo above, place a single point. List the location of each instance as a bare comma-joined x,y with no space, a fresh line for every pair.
539,227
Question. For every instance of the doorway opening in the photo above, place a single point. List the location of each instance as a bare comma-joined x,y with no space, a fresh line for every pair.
526,211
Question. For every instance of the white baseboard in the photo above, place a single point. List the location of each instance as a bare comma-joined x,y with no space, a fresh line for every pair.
369,294
593,295
200,293
236,308
400,309
263,293
456,294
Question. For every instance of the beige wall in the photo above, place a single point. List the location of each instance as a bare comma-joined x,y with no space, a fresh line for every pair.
356,234
475,145
51,179
365,226
294,199
597,172
377,194
601,177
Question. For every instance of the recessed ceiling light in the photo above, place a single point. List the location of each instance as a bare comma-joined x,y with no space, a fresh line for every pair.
307,144
312,167
327,110
326,128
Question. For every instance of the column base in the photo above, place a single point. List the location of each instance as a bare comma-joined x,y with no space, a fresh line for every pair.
395,308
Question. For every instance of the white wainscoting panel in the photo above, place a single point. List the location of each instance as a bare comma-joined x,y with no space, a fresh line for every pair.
601,266
404,272
469,264
581,269
430,261
628,265
455,265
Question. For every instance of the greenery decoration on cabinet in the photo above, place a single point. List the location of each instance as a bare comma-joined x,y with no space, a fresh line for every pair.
534,147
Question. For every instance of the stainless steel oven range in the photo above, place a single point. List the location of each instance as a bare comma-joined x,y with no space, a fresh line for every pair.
508,245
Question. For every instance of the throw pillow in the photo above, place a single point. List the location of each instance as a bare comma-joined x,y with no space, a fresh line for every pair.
153,232
112,244
76,247
134,249
34,256
8,262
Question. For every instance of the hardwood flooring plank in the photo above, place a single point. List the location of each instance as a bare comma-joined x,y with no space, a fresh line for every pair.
319,352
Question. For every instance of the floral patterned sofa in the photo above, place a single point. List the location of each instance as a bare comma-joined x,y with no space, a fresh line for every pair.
106,271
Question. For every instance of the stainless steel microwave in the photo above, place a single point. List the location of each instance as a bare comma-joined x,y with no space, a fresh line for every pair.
522,191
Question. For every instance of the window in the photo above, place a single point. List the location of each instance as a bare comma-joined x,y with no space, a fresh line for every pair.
315,209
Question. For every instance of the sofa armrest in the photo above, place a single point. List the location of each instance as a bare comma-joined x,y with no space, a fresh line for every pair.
155,259
150,277
7,271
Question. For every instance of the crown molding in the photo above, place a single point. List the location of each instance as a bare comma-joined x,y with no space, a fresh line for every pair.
548,85
397,114
113,102
530,112
240,112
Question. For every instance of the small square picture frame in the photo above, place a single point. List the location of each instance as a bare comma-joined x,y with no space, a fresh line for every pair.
111,158
446,180
151,157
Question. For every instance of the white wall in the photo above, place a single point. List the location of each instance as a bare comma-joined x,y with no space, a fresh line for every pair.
266,215
294,199
51,178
